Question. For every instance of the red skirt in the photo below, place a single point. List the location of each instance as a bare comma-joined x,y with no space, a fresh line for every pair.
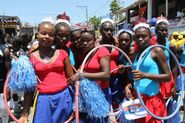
157,105
166,87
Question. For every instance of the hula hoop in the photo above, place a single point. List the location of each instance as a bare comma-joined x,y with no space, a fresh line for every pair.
181,78
105,45
5,99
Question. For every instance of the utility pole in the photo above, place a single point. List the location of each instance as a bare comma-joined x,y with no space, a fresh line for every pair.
86,11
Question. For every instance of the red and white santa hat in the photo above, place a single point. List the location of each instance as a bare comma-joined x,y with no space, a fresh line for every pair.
62,21
107,20
145,25
162,19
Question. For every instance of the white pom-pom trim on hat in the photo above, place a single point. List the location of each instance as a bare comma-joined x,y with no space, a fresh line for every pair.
62,20
107,20
125,30
162,20
141,25
48,19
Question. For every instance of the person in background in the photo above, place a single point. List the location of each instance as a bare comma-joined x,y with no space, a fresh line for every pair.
5,66
62,37
174,37
167,88
125,38
107,29
75,45
53,68
16,52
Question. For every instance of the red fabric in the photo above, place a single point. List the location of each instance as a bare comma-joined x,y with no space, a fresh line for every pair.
113,62
93,65
156,105
153,40
183,69
69,43
51,75
166,87
142,10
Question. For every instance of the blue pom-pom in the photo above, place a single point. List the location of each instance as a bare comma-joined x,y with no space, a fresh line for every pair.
92,100
22,75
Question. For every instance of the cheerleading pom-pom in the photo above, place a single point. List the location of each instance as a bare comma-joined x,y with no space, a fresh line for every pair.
22,75
92,100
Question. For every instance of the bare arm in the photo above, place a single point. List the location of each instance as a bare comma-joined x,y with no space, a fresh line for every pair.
159,56
7,59
105,70
68,68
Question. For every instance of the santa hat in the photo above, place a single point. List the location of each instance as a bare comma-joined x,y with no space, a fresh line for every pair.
162,19
145,25
48,19
62,21
125,30
107,20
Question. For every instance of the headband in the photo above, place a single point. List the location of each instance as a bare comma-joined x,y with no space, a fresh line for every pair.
125,30
107,20
162,19
141,25
48,19
62,21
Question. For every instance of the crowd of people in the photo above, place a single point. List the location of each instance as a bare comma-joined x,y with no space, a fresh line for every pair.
59,48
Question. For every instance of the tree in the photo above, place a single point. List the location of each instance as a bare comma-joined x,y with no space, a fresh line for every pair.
95,21
114,8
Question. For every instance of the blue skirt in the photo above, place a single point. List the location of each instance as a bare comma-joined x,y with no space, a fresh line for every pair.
53,108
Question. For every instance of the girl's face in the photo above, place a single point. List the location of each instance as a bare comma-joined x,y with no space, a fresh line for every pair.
87,42
142,38
124,41
62,36
162,30
75,37
46,35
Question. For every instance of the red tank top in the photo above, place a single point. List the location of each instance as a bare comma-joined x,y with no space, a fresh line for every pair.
93,65
52,75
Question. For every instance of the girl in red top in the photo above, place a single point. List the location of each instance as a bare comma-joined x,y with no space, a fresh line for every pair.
97,66
54,102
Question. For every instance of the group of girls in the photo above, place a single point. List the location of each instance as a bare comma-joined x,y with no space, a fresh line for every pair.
61,50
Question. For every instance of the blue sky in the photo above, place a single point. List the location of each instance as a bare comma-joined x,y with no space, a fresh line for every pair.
33,11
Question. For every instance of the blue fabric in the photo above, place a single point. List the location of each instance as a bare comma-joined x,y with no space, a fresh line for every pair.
108,95
71,57
148,65
92,99
22,75
53,108
182,57
179,83
166,52
171,108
